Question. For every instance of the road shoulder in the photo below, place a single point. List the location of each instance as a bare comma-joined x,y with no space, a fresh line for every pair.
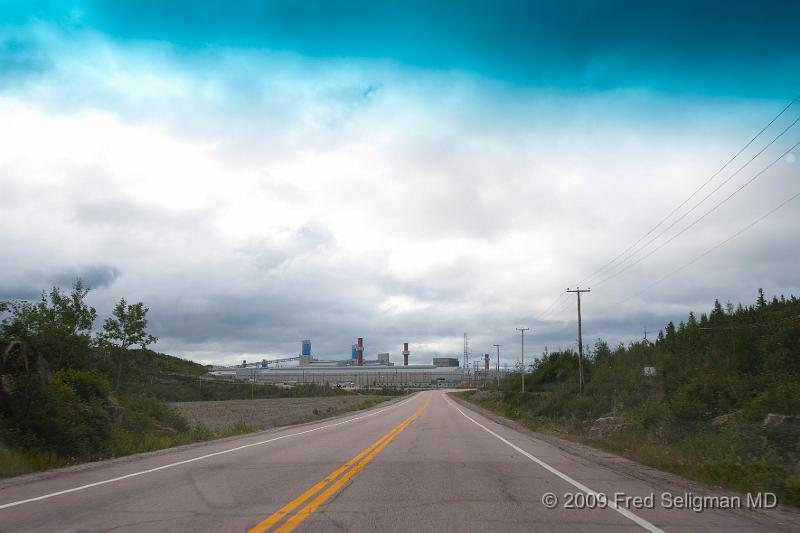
659,480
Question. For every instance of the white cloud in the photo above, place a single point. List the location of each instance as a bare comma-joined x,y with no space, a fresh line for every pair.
254,199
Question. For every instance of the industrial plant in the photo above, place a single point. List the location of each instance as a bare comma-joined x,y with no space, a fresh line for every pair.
354,371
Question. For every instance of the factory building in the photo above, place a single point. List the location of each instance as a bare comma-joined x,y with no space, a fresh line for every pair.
354,371
418,376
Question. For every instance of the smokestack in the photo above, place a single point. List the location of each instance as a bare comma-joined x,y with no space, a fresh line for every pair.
360,350
405,354
486,362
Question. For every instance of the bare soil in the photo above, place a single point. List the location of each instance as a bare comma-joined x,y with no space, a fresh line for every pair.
270,412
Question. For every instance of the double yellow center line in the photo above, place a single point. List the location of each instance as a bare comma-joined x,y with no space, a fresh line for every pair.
326,488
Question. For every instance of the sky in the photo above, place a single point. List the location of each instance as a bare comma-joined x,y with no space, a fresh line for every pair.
258,173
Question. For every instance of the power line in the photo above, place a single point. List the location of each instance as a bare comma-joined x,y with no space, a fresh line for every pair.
562,308
737,154
556,310
718,187
550,307
684,230
710,250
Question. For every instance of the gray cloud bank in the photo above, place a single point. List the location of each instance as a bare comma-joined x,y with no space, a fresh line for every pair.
279,200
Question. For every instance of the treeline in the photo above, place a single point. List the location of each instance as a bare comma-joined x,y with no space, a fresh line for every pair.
722,406
69,394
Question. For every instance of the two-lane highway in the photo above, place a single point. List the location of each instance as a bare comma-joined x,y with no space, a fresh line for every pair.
422,464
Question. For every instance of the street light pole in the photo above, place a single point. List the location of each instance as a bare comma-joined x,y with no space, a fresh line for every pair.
522,354
498,364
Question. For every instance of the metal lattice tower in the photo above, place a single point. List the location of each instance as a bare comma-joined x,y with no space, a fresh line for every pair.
466,351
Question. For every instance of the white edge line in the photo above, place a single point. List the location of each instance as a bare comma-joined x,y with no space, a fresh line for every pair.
577,484
199,458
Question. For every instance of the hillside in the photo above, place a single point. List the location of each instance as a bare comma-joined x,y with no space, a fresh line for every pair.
70,394
722,406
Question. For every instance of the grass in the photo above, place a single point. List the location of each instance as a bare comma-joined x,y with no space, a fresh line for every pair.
144,435
18,462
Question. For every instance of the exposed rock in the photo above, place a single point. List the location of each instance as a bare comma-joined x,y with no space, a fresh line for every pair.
787,425
606,425
113,408
7,383
14,357
165,430
43,369
722,419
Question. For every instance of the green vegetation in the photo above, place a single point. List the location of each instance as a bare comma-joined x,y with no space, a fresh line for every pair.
183,388
67,396
703,415
386,391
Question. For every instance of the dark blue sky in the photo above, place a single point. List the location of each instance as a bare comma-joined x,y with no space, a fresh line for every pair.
712,47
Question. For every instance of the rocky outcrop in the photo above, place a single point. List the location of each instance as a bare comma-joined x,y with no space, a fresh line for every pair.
784,425
16,358
165,430
604,426
722,419
113,408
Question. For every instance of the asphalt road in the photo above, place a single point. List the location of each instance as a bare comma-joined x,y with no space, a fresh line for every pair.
425,463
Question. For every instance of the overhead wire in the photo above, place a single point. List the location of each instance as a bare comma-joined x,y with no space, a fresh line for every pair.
607,265
696,221
567,302
706,197
553,309
710,250
550,307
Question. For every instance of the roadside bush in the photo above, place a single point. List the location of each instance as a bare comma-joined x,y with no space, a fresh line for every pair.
55,415
89,386
156,411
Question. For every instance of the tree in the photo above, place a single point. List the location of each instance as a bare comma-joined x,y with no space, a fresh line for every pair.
761,302
127,328
57,327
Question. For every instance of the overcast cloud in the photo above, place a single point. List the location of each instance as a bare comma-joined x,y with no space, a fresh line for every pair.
256,188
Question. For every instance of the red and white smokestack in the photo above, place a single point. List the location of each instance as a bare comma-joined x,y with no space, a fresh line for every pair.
360,350
405,354
486,362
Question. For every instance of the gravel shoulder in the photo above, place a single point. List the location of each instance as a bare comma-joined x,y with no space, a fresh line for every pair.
660,480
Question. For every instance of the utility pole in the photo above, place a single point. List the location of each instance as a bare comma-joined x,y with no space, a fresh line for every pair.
522,354
578,291
498,364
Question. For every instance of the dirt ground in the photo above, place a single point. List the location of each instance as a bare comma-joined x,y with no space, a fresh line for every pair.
271,412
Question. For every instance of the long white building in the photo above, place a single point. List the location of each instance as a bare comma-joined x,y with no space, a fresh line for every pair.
356,376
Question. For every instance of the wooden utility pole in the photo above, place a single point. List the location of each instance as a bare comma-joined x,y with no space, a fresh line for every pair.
578,291
498,364
522,353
